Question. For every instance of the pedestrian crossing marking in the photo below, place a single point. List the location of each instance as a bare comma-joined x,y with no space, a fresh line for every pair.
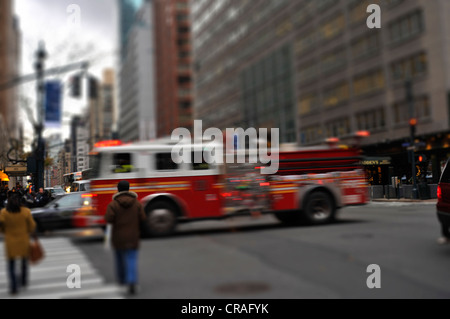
48,278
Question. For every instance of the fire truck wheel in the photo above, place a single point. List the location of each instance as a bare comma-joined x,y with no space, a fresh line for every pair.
161,219
319,209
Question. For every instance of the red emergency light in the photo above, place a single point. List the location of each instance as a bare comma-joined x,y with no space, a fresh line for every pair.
109,143
363,133
88,195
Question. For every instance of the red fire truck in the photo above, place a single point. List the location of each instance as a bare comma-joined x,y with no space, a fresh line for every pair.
310,185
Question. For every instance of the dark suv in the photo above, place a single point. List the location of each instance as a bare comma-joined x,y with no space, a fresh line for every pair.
443,204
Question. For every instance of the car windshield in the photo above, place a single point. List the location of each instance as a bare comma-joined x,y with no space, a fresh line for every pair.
445,177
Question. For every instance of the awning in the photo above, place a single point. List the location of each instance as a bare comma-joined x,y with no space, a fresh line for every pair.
376,161
16,170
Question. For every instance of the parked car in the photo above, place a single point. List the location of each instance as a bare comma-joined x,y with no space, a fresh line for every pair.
60,213
55,192
443,203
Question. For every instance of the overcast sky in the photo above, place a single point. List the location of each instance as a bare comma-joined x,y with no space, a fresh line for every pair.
93,38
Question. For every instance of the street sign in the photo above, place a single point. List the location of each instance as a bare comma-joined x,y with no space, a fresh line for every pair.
53,103
411,148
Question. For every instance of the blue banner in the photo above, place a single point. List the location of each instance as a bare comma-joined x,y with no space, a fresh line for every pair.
53,103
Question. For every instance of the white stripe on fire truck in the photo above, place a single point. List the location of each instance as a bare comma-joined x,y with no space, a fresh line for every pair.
173,186
134,185
284,189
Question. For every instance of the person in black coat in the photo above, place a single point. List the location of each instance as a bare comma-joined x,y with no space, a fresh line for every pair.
42,198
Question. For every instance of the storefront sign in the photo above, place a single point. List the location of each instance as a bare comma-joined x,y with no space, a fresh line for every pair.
376,161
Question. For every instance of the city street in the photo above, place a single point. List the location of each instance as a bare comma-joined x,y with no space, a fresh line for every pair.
247,258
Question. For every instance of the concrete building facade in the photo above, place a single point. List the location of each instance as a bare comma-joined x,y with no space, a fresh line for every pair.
316,70
173,50
137,111
10,38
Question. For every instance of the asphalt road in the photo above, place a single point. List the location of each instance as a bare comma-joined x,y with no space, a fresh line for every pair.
260,258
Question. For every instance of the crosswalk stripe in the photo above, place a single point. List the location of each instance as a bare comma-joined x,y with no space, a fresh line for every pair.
51,275
61,284
111,290
53,259
48,278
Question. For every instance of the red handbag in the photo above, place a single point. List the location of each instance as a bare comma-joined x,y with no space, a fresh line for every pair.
36,251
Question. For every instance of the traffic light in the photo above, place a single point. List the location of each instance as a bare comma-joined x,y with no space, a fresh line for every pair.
93,88
421,158
76,85
412,125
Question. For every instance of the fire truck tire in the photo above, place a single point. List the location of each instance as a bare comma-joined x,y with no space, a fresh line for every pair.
161,219
319,208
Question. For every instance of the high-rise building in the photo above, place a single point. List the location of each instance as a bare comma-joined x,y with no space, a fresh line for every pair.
81,140
9,69
244,64
64,161
173,66
107,104
83,148
137,121
128,10
314,69
53,146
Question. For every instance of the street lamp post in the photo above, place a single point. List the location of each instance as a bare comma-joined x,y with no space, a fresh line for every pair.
41,55
412,125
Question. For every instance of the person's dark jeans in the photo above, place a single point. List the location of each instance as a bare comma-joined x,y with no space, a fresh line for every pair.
14,279
126,266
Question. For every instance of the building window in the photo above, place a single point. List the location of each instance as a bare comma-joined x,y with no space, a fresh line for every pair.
334,60
307,104
368,83
308,71
410,67
322,5
336,95
306,42
371,120
358,10
406,27
267,93
421,110
392,3
332,28
339,127
311,134
366,45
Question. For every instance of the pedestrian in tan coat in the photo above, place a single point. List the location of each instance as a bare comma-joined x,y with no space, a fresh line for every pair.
17,223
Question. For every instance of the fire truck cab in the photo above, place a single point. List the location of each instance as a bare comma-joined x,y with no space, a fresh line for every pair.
310,185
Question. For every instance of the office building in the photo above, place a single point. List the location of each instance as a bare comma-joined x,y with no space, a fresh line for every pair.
315,70
137,110
174,91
